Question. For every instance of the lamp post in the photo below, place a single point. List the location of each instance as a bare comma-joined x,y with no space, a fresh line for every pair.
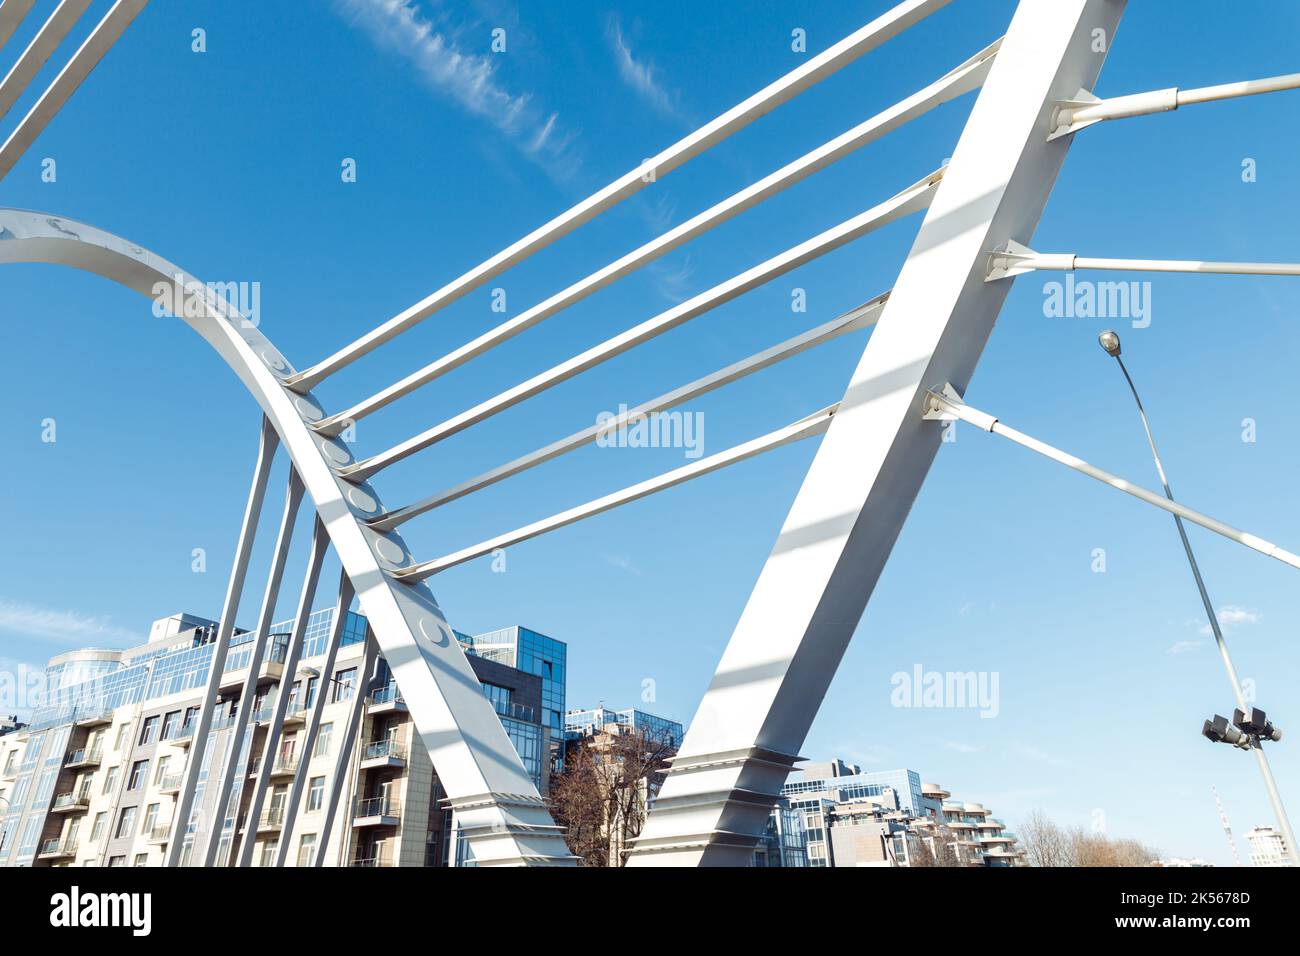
1109,342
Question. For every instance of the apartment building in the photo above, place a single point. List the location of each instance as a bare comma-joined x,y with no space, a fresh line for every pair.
1267,847
892,818
94,777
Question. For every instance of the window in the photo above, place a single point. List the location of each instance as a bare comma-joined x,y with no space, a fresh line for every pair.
149,730
110,780
117,861
191,715
307,849
97,831
139,774
161,772
268,853
141,859
125,823
344,685
122,731
323,740
171,723
310,697
9,762
150,819
315,793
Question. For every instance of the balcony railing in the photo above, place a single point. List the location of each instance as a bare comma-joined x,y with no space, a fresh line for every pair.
180,734
170,782
378,749
376,807
57,847
271,819
508,708
372,861
388,694
160,834
70,799
83,756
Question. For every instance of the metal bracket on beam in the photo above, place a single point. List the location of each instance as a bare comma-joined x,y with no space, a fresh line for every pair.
941,405
1084,109
1013,259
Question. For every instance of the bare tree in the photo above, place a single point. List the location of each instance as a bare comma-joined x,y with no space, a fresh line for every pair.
603,793
1047,844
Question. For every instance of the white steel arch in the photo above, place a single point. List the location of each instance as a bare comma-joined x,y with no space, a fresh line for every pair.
497,803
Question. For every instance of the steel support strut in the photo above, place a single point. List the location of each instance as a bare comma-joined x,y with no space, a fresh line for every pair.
847,515
221,646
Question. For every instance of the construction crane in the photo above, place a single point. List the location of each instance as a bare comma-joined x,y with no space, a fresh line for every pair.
1227,827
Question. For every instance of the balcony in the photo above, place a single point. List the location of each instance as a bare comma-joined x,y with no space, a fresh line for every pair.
376,812
386,700
57,849
83,758
70,803
383,753
102,719
241,655
271,820
182,737
170,783
284,766
160,834
383,860
296,713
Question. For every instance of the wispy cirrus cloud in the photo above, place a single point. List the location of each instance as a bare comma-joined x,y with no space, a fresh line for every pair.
639,74
1230,615
1181,647
468,79
58,626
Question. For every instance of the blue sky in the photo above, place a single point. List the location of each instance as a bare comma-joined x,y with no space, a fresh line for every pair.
228,162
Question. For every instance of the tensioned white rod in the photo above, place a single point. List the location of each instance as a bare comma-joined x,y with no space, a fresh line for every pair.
945,404
851,321
962,79
912,199
1075,115
225,780
268,442
12,13
307,739
1190,265
320,541
43,45
106,33
883,28
814,424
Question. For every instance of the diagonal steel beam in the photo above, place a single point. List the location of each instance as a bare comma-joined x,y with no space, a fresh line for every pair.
847,515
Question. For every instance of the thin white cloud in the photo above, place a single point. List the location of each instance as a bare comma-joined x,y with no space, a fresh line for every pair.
622,562
962,748
638,74
1232,615
1179,647
468,79
53,625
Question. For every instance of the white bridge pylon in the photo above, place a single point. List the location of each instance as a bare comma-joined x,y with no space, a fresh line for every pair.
876,449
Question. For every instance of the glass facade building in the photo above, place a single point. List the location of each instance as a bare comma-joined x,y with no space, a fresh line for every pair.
586,722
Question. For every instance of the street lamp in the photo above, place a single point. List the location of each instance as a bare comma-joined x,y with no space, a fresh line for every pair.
1251,734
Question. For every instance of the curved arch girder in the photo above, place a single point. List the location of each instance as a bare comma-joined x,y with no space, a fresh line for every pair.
499,808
